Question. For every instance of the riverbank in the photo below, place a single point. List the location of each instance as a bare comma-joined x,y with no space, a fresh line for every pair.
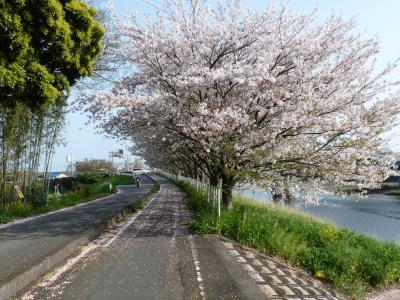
353,263
81,193
389,188
392,189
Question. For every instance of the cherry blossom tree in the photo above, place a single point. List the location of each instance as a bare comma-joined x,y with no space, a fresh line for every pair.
270,98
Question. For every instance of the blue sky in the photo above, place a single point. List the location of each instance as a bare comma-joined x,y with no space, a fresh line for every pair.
375,18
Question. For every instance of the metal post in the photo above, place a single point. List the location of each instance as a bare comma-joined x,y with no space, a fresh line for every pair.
208,193
214,194
219,198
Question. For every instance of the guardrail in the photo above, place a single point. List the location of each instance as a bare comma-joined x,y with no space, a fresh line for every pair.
212,193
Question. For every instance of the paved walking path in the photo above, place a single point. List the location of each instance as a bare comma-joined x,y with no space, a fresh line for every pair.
276,279
29,249
152,256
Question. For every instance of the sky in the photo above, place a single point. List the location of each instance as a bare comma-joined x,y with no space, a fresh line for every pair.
375,19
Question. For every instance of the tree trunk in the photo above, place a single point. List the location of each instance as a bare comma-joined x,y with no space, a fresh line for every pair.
288,198
276,198
213,180
228,182
4,155
227,196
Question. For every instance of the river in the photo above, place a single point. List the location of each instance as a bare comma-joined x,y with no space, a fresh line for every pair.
377,215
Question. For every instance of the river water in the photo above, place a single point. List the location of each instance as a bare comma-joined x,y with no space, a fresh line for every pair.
377,215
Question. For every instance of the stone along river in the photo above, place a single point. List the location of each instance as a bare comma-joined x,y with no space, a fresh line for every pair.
377,215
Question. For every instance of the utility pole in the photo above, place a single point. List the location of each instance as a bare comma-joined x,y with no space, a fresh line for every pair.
111,155
71,166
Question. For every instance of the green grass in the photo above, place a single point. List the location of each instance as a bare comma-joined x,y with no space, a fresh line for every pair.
394,192
353,263
390,186
80,193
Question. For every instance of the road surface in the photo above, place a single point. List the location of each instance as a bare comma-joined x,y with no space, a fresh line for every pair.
25,245
153,256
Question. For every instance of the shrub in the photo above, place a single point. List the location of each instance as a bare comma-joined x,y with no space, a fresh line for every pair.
14,210
37,197
87,178
80,189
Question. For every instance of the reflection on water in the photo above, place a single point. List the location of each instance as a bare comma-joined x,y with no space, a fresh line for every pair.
377,215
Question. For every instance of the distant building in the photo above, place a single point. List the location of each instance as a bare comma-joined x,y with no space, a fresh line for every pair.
57,175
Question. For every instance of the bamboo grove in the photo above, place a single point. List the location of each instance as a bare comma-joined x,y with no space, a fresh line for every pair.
27,143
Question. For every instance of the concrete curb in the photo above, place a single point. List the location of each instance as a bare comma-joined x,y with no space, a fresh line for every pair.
25,279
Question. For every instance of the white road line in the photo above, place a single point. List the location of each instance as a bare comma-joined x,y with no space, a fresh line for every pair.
268,290
256,277
249,268
256,262
292,274
241,259
271,264
265,270
290,280
176,220
61,270
228,245
197,266
314,290
287,290
248,254
127,224
280,272
303,291
275,279
234,252
102,241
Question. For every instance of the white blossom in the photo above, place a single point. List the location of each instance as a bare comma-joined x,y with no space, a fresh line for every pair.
267,97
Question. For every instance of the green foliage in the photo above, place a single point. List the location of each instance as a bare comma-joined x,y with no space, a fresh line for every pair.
390,186
14,210
122,180
87,178
46,46
81,189
79,193
394,192
352,262
27,140
37,197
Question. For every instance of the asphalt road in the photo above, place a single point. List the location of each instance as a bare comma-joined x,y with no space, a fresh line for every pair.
26,244
153,259
153,256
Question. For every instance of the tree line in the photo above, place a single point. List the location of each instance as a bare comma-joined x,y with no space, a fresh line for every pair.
268,98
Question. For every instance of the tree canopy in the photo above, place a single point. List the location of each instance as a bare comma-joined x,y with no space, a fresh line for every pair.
46,46
266,97
95,166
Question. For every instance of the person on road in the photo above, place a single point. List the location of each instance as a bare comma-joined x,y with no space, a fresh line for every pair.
137,181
